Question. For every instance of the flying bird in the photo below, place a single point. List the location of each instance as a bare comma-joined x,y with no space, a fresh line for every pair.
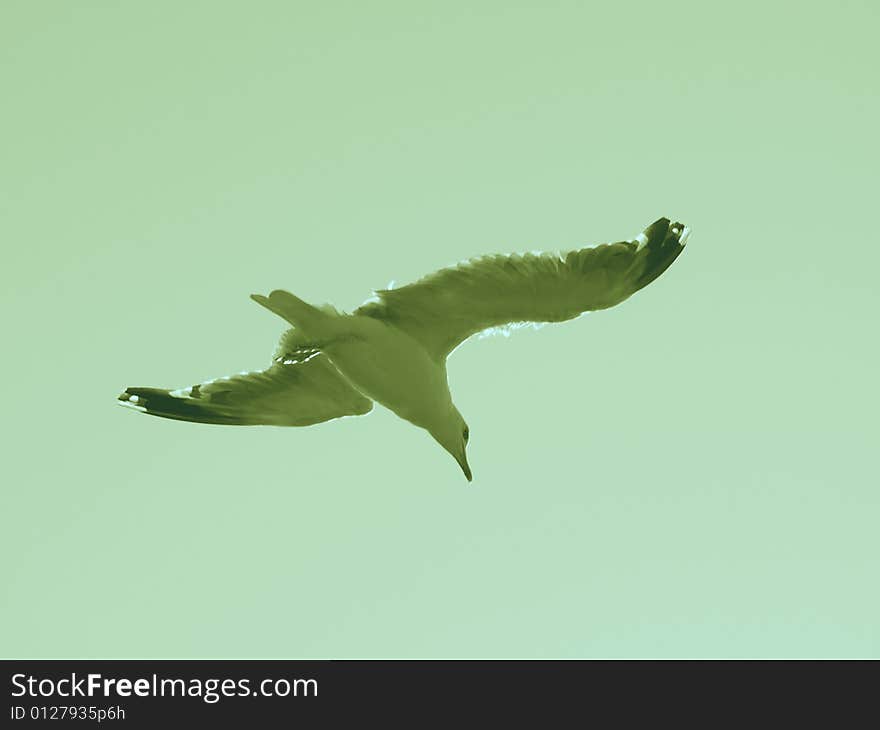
393,348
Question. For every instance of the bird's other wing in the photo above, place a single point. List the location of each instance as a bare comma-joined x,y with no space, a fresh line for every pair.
445,308
300,388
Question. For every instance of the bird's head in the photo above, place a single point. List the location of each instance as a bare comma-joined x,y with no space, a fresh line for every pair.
451,432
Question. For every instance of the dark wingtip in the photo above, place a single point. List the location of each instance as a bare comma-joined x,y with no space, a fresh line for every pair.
133,398
160,402
657,230
663,241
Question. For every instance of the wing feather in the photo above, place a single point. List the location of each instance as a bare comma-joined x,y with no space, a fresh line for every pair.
301,387
445,308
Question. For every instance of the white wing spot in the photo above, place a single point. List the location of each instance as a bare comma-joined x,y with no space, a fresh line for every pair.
135,406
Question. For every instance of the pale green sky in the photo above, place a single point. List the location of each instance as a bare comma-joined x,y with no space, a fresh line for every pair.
690,474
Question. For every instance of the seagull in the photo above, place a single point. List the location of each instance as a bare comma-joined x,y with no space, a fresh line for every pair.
393,348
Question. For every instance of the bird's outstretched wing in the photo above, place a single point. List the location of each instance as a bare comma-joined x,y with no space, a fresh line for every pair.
445,308
300,388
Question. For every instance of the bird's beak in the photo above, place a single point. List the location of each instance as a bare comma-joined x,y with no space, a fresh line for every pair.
462,462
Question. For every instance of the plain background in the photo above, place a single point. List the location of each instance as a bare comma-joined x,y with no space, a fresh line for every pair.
693,473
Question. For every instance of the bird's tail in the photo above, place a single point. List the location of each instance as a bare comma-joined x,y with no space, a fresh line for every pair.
300,314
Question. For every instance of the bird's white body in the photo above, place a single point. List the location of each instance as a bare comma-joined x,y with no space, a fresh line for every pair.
386,365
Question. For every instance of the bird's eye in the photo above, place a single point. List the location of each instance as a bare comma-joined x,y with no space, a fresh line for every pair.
466,434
